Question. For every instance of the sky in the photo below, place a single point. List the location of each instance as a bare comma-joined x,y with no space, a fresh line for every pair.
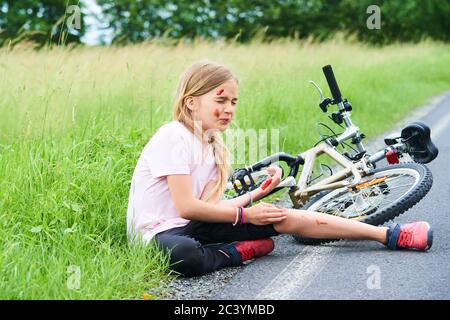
94,32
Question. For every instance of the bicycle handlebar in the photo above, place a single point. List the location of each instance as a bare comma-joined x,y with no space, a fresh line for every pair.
292,161
334,88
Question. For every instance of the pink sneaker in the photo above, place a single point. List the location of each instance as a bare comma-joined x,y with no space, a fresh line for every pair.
417,235
251,249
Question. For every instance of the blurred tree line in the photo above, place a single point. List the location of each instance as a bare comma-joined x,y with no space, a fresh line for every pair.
138,20
38,21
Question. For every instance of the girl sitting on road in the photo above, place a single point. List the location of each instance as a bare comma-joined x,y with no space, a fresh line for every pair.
176,189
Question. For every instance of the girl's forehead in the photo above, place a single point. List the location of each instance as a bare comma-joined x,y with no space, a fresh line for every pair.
228,88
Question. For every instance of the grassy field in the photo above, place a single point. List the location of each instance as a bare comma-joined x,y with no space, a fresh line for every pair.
75,121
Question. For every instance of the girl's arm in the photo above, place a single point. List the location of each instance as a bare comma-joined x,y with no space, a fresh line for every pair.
244,200
240,201
196,209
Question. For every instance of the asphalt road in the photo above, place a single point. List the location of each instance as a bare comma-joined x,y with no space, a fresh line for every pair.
363,269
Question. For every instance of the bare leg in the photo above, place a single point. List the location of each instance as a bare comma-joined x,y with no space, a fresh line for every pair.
324,226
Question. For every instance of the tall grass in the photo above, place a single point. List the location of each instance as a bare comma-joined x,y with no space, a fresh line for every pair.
75,121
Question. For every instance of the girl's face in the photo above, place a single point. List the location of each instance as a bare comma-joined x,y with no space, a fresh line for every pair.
216,108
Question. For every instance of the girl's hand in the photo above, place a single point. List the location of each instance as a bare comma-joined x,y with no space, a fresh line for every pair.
272,181
265,213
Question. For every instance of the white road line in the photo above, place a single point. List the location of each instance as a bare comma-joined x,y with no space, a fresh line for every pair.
299,273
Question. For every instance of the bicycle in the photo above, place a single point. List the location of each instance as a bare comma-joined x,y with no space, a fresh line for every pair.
359,190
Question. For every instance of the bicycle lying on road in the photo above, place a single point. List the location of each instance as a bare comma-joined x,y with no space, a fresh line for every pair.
358,190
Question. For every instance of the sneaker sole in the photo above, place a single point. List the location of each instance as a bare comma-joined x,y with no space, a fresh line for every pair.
430,237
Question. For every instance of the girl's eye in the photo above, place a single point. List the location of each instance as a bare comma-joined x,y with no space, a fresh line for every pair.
224,101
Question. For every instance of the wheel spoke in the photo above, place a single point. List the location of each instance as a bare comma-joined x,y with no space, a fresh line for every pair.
374,197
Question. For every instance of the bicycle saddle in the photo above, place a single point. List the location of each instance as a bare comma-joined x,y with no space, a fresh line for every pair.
416,137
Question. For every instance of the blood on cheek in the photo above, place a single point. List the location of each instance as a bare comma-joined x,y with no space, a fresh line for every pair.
219,91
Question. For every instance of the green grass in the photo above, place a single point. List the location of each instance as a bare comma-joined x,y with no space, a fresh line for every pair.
75,121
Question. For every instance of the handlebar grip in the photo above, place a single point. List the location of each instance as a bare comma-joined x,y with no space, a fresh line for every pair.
334,88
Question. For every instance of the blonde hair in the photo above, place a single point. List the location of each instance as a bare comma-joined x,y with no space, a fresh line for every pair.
198,79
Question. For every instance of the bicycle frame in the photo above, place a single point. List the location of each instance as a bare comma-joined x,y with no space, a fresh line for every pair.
302,192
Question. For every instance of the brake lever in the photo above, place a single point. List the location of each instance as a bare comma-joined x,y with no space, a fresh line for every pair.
318,89
324,102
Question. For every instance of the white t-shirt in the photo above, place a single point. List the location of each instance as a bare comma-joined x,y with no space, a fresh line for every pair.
173,149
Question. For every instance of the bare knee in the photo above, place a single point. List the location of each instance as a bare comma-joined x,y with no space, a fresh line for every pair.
295,221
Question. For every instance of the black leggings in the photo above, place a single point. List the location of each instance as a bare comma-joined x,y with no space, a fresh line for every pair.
202,247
